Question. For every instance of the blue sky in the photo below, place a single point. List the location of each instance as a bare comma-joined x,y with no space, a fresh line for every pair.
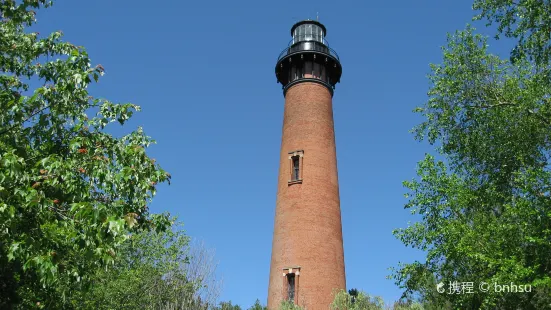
203,73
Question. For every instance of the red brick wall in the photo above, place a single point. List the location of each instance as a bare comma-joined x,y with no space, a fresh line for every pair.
307,230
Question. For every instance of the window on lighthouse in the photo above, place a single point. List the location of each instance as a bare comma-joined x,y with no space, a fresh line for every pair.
296,167
291,287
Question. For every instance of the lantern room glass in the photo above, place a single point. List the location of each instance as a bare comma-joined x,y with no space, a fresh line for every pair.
308,32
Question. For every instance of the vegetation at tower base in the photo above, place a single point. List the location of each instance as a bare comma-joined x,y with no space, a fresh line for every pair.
353,300
257,306
227,305
155,271
358,300
486,207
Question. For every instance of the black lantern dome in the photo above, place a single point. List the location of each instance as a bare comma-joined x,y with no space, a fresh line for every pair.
308,58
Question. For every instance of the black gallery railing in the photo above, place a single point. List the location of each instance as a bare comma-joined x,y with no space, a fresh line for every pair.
307,46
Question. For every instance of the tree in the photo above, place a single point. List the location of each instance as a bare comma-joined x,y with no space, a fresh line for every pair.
258,306
358,300
485,207
289,305
201,269
70,193
353,294
227,305
152,270
528,21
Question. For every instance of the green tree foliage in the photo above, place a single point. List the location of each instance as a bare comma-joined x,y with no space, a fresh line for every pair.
289,305
70,193
486,207
258,306
529,21
227,305
353,294
358,300
410,305
149,273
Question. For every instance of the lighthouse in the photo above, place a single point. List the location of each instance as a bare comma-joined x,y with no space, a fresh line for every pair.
307,263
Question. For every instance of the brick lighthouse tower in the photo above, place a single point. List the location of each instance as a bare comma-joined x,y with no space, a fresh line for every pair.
307,250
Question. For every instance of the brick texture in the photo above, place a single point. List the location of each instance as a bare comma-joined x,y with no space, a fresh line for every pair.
307,228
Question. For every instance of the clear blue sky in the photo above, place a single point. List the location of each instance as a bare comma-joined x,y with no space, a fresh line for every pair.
203,73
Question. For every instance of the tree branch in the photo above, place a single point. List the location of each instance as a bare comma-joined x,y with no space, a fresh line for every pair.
28,118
